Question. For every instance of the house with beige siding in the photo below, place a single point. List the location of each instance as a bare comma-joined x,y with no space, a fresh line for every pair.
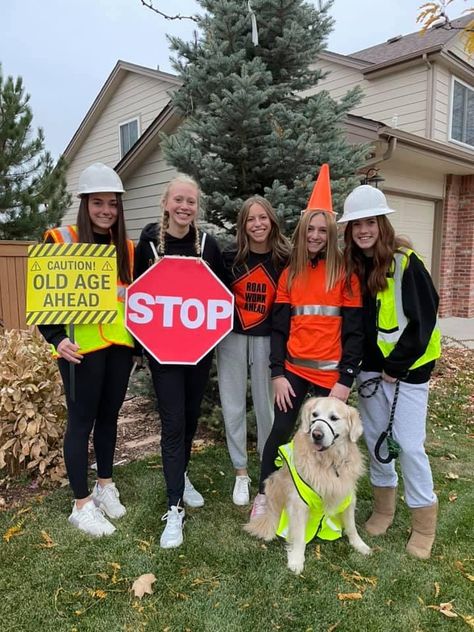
417,113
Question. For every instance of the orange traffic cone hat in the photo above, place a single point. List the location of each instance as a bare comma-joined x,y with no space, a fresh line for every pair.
321,199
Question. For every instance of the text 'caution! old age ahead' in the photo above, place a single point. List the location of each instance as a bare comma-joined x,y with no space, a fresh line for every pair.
71,284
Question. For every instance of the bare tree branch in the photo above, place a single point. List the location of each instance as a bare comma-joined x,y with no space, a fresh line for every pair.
149,5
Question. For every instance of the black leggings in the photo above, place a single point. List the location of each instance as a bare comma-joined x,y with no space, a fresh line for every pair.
284,424
101,381
179,390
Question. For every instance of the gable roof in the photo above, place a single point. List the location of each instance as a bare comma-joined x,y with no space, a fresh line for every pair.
412,44
115,78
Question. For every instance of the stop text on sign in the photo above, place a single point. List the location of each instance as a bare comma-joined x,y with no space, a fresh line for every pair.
179,310
191,312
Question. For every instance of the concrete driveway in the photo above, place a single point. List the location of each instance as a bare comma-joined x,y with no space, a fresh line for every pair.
458,331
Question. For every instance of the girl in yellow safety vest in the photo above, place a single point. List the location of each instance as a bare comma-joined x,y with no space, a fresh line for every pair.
101,355
402,342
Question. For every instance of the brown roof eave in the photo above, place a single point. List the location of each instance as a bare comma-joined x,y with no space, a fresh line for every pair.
401,60
412,140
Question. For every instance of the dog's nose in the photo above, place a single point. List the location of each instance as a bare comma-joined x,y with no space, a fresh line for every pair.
317,435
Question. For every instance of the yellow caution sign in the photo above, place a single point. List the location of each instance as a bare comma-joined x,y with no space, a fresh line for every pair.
71,284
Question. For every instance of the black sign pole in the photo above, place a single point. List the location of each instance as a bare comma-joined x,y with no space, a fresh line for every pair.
72,369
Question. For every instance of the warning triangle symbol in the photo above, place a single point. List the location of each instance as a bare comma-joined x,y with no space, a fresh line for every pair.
35,267
107,267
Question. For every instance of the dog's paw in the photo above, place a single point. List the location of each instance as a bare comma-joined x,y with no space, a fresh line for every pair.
363,548
296,567
295,562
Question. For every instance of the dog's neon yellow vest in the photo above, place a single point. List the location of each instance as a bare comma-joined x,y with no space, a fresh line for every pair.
320,523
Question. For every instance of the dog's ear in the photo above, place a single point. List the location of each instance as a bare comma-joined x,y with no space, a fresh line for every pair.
306,411
355,424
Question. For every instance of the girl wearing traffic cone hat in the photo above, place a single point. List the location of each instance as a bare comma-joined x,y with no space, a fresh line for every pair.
316,339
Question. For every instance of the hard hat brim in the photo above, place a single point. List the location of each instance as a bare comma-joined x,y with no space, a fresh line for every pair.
100,190
364,214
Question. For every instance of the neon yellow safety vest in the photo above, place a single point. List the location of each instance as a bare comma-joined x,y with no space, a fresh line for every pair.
321,523
94,337
391,319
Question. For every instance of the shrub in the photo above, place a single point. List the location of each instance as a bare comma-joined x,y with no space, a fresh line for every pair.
32,408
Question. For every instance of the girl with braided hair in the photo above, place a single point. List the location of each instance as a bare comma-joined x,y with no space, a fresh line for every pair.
179,388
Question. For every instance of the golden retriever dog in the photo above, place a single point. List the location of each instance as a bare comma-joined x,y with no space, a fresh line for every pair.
327,458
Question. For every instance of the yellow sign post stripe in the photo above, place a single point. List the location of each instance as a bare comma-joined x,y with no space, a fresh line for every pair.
71,284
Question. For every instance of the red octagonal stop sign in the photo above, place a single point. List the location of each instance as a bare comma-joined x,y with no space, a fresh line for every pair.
179,310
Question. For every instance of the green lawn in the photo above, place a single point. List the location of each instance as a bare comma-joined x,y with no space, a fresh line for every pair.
54,578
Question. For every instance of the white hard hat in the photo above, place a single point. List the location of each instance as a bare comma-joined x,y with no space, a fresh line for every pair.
98,178
365,201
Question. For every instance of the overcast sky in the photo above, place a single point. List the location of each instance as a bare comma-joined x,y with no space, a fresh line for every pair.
65,49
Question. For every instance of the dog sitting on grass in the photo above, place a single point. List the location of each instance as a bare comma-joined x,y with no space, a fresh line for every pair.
314,491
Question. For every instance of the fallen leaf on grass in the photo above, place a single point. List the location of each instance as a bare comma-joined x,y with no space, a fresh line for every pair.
143,584
47,541
349,596
452,476
452,497
317,551
357,577
469,619
331,628
446,609
437,589
17,529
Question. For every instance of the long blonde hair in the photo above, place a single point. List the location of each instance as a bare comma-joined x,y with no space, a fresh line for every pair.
278,244
300,258
181,178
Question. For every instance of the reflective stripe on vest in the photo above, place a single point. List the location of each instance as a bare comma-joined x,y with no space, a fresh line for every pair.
320,523
391,319
319,365
315,310
64,234
94,337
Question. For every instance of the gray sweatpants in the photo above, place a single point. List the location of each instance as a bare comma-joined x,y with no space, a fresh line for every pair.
234,355
409,430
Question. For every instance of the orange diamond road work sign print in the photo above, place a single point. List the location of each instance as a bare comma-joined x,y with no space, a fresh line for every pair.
179,310
254,293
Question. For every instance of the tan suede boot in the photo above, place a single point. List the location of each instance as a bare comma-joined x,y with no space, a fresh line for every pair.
383,512
423,529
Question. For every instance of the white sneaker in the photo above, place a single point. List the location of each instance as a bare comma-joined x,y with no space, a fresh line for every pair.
259,506
172,536
241,493
191,496
108,499
91,520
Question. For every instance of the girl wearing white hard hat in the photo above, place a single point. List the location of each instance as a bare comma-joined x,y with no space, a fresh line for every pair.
101,355
402,342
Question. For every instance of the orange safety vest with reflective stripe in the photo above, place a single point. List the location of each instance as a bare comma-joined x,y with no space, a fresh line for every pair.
94,337
314,345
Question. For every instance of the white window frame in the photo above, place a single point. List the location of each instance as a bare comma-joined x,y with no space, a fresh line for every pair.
121,124
471,88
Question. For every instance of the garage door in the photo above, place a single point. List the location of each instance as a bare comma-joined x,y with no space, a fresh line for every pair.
414,219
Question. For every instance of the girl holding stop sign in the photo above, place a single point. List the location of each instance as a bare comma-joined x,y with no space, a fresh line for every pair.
179,388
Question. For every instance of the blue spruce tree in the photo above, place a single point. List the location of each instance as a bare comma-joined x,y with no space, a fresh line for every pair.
249,125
